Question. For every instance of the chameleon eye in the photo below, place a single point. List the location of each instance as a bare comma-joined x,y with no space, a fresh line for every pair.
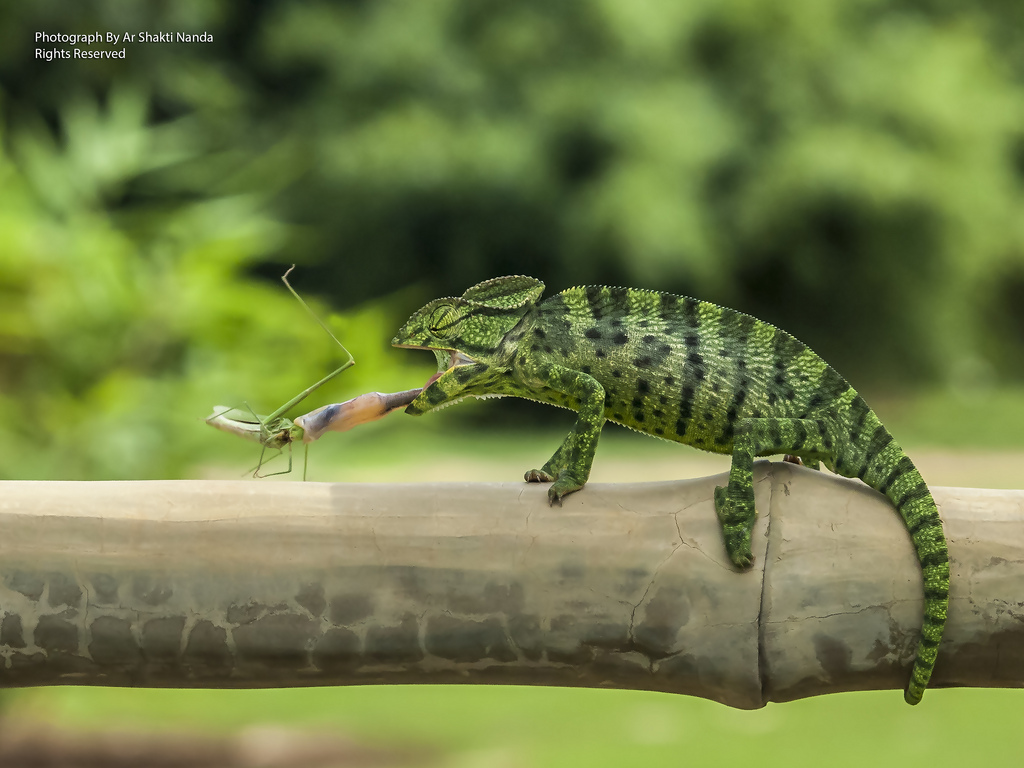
444,322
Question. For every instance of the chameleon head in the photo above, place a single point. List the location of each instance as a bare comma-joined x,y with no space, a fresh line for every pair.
465,331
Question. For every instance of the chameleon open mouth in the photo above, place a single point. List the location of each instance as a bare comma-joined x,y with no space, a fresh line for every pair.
447,359
455,359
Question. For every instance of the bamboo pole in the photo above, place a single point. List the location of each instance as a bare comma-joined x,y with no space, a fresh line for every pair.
248,584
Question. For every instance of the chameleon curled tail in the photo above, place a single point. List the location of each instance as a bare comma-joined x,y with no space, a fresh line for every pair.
886,468
918,510
852,443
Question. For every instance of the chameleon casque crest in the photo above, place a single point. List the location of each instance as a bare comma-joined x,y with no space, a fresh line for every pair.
683,370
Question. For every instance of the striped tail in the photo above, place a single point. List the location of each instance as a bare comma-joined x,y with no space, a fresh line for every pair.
879,461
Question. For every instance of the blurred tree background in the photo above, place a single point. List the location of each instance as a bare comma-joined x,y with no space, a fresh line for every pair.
851,170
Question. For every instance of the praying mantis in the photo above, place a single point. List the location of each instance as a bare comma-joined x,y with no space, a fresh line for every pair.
277,432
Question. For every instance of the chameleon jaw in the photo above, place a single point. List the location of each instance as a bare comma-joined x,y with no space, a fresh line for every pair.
455,358
447,361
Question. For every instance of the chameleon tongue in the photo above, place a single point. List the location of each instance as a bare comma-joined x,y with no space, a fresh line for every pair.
341,417
432,379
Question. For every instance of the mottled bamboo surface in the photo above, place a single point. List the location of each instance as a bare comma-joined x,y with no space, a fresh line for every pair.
247,584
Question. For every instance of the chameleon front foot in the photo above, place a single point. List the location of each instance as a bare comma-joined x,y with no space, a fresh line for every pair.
737,519
538,476
561,486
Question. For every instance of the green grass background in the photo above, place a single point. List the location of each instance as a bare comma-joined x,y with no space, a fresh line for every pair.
541,727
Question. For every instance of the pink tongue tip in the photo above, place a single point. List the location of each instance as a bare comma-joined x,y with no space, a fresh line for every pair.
432,379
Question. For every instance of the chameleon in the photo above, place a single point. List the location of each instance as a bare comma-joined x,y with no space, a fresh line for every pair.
684,370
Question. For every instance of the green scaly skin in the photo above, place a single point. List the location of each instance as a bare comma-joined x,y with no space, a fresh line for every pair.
683,370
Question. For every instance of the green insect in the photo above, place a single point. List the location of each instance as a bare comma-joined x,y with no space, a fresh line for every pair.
683,370
276,432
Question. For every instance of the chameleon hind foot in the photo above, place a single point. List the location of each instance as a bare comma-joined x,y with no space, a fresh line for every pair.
809,463
737,519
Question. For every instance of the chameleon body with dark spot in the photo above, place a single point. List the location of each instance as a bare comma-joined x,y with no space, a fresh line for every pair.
683,370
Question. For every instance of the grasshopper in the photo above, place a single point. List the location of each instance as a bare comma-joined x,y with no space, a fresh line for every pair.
277,432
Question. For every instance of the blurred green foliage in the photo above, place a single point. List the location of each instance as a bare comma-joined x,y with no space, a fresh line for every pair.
852,171
119,329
